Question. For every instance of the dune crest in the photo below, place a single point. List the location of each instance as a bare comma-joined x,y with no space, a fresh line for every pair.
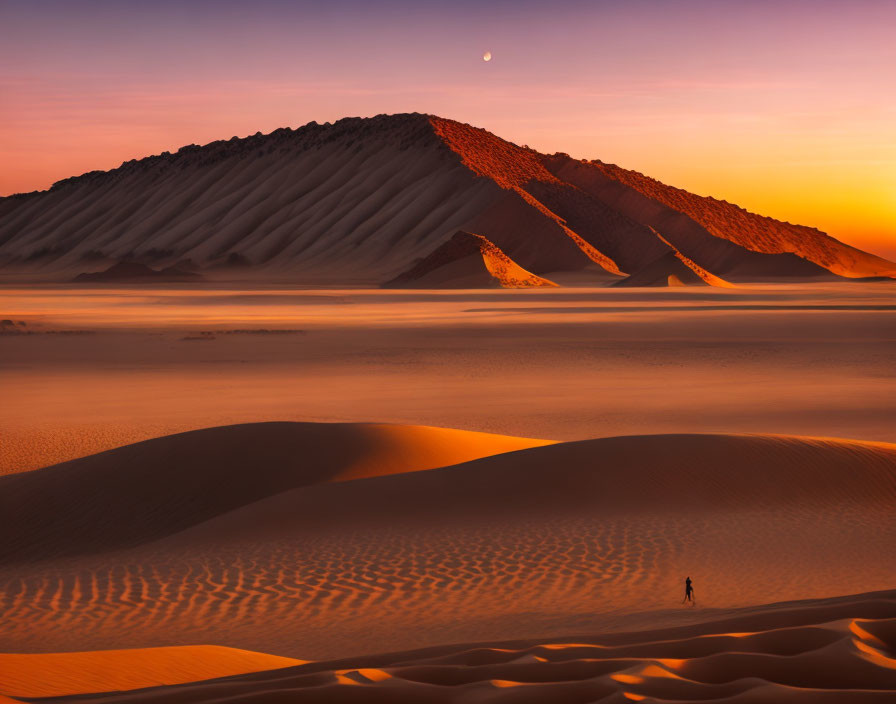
793,653
395,449
141,492
468,261
673,269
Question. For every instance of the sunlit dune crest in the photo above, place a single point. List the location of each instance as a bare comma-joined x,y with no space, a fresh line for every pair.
61,674
393,449
191,477
863,634
673,663
503,684
508,272
361,676
704,275
798,652
658,671
874,655
675,271
468,261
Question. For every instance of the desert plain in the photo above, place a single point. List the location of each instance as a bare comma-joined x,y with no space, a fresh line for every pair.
230,493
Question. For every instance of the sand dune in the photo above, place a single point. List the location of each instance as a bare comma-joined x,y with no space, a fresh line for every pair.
836,650
141,492
671,270
58,674
646,473
363,200
468,261
574,537
801,360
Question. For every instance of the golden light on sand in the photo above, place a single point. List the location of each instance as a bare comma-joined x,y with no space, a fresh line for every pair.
72,673
487,56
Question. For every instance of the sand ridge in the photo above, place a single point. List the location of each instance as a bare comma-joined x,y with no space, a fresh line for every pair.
834,650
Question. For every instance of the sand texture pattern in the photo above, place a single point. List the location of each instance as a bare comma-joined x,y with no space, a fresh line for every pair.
581,536
829,651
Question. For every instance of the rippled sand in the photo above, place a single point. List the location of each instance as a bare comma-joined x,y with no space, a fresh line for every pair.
838,650
554,539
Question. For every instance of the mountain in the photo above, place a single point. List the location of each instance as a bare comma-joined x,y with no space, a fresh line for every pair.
365,201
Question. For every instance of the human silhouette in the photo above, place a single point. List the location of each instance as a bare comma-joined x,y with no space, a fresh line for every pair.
689,592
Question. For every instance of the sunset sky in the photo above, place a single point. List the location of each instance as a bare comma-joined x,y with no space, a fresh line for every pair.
786,108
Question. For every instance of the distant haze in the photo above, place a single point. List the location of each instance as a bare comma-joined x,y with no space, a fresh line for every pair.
784,108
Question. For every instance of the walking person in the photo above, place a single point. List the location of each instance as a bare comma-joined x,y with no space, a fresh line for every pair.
689,592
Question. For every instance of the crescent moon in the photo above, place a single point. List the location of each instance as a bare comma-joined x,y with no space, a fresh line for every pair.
487,56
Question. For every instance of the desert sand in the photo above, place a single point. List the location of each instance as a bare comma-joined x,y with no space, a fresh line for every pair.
157,487
833,650
457,496
58,674
579,537
107,367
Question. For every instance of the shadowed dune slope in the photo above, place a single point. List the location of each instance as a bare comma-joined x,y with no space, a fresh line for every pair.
143,491
660,473
797,652
362,200
57,674
663,272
